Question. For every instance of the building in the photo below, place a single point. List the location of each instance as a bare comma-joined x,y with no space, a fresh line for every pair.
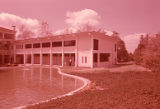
7,37
85,49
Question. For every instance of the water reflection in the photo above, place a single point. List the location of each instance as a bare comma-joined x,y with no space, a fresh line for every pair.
29,85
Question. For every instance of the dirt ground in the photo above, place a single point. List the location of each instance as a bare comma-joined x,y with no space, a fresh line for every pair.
116,89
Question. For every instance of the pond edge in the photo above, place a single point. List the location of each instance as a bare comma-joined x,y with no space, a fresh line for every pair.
86,83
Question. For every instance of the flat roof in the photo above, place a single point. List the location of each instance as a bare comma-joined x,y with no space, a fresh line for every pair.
72,35
5,30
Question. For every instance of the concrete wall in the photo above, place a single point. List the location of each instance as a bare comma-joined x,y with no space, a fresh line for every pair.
106,45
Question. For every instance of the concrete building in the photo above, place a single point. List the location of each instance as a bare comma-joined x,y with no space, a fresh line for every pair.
85,49
7,37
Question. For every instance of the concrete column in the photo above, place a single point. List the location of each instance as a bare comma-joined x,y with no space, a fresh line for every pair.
14,53
62,53
32,56
24,54
2,35
41,56
116,54
76,52
91,51
98,59
51,63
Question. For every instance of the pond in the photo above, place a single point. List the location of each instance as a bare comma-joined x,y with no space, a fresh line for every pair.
25,85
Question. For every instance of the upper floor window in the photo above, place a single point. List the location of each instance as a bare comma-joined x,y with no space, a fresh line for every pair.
95,44
20,46
57,44
46,44
28,46
1,35
70,43
8,36
36,45
104,57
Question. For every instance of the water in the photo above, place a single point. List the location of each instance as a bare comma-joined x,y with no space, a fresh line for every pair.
25,85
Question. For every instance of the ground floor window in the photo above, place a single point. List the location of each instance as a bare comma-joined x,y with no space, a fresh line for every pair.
28,58
85,59
19,58
95,57
1,59
69,59
57,59
104,57
36,58
46,59
6,59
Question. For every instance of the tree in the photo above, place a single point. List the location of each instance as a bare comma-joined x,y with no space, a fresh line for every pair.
44,29
122,53
24,33
148,52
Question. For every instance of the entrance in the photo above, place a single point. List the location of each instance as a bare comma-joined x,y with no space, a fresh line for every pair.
95,59
69,59
19,58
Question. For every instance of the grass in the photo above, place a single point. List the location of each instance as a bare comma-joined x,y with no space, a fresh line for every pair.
112,90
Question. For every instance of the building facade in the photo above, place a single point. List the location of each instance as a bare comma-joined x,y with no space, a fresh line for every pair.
85,49
7,38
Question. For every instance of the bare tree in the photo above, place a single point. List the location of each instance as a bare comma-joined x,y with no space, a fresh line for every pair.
24,33
44,29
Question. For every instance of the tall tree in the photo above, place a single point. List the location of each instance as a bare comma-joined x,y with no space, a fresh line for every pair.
44,29
148,52
122,53
24,33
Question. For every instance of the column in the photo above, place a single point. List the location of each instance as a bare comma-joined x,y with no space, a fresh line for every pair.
91,51
2,35
14,53
51,63
32,56
41,54
76,52
62,53
24,57
98,59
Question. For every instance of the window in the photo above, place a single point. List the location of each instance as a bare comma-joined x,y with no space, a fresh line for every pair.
95,44
1,35
9,36
20,46
70,43
46,44
104,57
28,46
95,57
85,59
57,44
82,60
115,47
36,45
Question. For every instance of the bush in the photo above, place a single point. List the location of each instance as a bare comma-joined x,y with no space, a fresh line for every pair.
153,63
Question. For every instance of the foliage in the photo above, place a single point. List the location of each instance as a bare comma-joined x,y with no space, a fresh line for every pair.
24,33
44,29
148,52
122,53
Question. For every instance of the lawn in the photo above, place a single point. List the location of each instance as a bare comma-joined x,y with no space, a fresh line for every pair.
136,89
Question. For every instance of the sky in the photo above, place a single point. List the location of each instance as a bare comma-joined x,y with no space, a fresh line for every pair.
130,18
